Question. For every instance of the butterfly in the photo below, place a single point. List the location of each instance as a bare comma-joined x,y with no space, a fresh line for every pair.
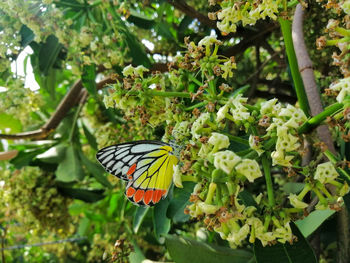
146,166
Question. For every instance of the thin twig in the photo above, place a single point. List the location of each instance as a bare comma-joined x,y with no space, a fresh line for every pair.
75,239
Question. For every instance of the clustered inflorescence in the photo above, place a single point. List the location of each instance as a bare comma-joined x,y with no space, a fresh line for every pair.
209,134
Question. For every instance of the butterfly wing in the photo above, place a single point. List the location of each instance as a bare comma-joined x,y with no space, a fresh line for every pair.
152,177
146,165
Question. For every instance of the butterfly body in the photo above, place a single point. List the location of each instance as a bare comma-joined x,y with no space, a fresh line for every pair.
146,166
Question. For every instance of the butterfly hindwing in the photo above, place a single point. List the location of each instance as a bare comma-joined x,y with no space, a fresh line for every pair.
153,177
147,166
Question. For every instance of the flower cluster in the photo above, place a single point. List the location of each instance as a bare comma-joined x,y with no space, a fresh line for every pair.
338,31
20,102
135,96
247,13
33,199
204,57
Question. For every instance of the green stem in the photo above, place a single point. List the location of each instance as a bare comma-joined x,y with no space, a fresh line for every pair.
75,119
188,178
191,77
198,105
168,94
292,59
236,138
270,194
316,120
343,31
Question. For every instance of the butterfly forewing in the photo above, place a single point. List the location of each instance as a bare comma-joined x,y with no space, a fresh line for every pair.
146,165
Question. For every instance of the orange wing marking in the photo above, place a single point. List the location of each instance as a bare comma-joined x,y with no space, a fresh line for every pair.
139,195
130,192
131,171
148,197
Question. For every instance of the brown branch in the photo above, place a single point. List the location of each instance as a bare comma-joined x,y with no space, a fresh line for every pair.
307,74
251,38
8,155
73,97
305,68
191,12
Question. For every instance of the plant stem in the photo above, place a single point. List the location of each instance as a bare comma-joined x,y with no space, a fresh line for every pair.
270,194
198,105
75,119
298,83
316,120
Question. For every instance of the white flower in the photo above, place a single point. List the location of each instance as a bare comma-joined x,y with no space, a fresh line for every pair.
267,107
208,41
206,208
346,7
278,157
238,111
285,141
177,176
250,169
343,86
293,198
128,71
139,70
198,124
221,113
325,172
226,160
255,145
236,237
295,115
219,141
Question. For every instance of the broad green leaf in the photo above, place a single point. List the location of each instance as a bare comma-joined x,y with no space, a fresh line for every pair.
70,169
83,226
88,79
293,187
89,196
136,256
115,201
54,154
95,170
48,54
140,214
179,202
25,157
185,250
310,223
163,29
91,139
140,20
27,35
9,122
160,221
299,252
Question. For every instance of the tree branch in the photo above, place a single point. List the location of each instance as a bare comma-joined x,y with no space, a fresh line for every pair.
191,12
306,71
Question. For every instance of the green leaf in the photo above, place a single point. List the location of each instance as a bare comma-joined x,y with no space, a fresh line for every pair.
163,29
70,168
299,252
27,35
83,226
95,170
160,221
140,214
293,188
25,157
7,121
54,154
89,196
140,20
91,139
136,256
310,223
88,79
116,198
179,202
48,54
185,250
